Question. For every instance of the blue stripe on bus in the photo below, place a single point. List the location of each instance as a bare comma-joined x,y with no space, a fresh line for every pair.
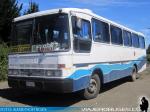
111,72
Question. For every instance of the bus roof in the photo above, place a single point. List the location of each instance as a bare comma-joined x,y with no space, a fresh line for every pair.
67,10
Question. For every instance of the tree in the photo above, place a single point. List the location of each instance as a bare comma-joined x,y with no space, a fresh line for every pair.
148,50
33,7
9,9
148,54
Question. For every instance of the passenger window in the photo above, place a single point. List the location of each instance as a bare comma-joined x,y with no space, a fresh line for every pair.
100,31
82,35
127,38
142,42
85,30
135,40
116,35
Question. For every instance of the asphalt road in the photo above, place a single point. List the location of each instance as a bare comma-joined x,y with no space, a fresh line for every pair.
121,93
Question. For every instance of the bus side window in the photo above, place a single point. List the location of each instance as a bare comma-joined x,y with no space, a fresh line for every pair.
116,35
100,31
135,40
127,38
82,36
142,42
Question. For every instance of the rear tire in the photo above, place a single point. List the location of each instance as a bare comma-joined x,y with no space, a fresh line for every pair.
133,76
93,89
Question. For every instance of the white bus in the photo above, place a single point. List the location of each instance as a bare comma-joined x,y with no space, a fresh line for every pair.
69,49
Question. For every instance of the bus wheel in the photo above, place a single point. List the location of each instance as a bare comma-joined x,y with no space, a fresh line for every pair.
134,75
93,89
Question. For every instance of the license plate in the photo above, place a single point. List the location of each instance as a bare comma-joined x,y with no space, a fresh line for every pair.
30,84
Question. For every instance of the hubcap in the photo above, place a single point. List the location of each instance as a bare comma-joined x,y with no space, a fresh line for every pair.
93,86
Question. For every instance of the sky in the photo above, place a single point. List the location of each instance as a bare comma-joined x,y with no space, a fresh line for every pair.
134,14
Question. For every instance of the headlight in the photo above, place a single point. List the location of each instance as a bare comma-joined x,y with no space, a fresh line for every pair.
49,73
54,73
10,72
13,72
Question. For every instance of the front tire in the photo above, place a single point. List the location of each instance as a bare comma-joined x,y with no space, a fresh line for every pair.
93,89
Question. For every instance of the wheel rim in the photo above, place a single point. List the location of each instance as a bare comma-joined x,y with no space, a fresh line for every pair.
93,86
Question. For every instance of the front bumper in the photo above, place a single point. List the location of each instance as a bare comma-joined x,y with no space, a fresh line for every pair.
46,84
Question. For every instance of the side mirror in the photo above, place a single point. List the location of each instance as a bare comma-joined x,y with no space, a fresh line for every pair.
79,23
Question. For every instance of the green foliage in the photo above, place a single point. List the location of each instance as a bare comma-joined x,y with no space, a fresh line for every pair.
9,9
148,58
148,54
148,50
33,7
4,49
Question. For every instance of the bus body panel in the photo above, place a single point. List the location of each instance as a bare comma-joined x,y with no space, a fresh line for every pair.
115,62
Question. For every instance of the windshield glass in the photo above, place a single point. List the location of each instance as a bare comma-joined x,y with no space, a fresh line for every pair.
41,34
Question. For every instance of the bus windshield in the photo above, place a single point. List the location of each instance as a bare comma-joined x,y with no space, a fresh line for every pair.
41,34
